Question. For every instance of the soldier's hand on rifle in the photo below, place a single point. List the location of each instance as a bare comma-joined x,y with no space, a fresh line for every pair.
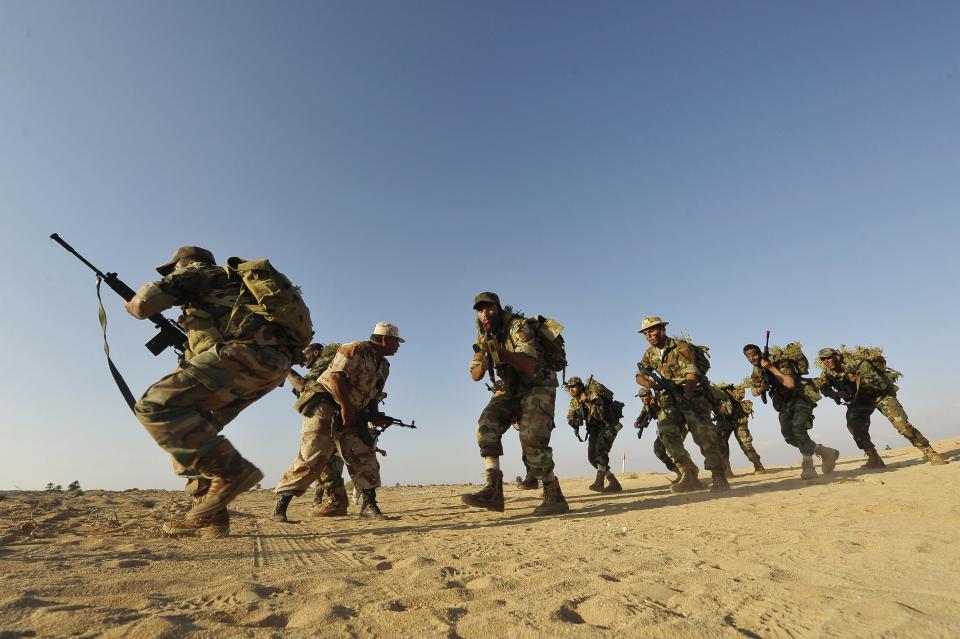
381,420
765,363
843,394
853,377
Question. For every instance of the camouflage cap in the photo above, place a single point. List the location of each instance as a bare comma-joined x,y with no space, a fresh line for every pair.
201,254
824,353
650,321
644,392
573,381
486,297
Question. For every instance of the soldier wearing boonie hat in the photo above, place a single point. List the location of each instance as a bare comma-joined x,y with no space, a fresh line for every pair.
186,253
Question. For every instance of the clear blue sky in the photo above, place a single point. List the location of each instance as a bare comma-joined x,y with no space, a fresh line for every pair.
733,167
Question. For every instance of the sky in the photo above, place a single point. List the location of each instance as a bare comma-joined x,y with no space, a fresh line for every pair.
733,167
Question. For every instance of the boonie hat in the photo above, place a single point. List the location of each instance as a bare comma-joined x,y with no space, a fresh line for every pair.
386,328
824,353
488,297
201,254
650,321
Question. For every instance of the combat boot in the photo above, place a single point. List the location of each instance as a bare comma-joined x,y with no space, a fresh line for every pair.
720,483
280,508
553,500
613,486
491,495
230,475
597,485
873,460
214,527
318,495
677,478
807,470
828,458
368,505
688,480
758,468
727,470
528,483
335,504
933,456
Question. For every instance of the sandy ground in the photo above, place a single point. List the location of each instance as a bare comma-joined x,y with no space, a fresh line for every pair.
859,554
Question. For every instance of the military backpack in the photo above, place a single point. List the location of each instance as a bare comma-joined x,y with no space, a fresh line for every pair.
269,294
550,340
613,409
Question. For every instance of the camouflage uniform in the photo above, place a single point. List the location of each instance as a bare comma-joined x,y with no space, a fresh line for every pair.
794,407
653,412
732,414
235,358
602,423
323,434
674,362
529,401
875,392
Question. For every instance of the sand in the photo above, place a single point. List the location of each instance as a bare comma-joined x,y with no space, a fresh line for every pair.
856,554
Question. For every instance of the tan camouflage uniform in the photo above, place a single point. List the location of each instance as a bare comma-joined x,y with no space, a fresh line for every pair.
322,434
674,362
529,401
225,372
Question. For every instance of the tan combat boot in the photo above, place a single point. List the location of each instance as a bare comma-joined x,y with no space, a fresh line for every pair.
528,483
688,480
677,478
215,527
758,468
553,500
807,470
613,485
720,483
933,456
828,458
230,474
335,505
873,460
491,495
597,485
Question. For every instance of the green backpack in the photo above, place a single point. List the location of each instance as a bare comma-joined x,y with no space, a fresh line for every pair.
551,341
614,408
793,353
872,355
272,296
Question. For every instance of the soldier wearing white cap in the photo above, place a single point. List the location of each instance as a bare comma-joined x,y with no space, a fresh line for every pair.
350,387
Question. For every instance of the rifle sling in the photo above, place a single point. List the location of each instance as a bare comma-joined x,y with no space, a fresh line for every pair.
117,377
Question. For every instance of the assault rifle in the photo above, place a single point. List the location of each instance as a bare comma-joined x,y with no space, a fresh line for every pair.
170,332
764,373
363,426
493,358
674,391
583,413
642,422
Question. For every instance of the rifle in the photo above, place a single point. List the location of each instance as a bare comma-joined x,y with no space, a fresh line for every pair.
170,332
674,391
493,359
764,373
363,429
583,414
642,422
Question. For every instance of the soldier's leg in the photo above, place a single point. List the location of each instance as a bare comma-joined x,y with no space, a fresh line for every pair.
536,425
745,440
858,423
661,453
671,431
800,421
891,408
704,435
317,447
500,412
723,444
359,457
605,438
331,477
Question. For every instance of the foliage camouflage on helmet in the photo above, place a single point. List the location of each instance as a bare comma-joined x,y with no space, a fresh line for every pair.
870,354
793,353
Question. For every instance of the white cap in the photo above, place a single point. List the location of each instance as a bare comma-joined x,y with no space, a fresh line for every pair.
386,328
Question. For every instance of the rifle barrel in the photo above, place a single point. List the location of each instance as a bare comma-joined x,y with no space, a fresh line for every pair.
59,240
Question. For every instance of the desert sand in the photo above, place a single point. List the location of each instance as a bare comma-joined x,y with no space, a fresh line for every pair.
855,554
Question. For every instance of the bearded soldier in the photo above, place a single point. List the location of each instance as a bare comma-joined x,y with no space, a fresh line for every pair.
235,356
525,393
679,364
732,413
794,405
593,407
651,411
867,387
338,407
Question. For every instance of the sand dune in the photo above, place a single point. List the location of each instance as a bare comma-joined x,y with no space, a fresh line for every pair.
859,554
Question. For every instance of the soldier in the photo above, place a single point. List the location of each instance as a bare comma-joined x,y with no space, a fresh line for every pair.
732,413
866,388
236,356
525,393
650,411
794,405
317,358
602,423
680,362
341,401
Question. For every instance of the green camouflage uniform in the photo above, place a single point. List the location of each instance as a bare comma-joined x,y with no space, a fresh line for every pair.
732,416
876,392
228,368
659,450
674,362
794,407
529,401
323,435
602,424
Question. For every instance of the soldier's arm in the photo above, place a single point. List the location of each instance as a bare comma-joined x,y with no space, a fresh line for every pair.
869,378
296,381
784,375
573,417
174,289
688,368
524,359
478,367
339,389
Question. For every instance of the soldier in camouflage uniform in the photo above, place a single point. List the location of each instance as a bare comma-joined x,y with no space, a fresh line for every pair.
676,361
352,384
317,358
234,358
525,393
794,406
602,425
865,389
732,413
651,410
